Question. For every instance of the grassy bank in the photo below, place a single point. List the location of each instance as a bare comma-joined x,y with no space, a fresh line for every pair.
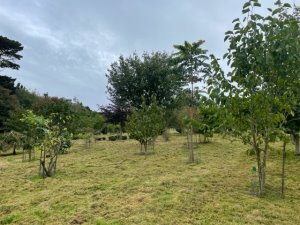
111,183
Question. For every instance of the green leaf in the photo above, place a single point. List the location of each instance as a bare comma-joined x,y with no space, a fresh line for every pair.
247,4
287,5
270,18
235,20
236,26
228,32
246,11
225,55
276,11
257,4
259,16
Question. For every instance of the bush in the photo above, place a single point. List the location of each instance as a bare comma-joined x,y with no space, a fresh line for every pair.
179,130
124,137
112,138
100,139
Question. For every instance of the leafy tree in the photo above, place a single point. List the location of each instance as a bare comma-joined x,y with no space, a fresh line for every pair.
192,59
134,77
260,91
293,127
58,108
8,104
46,136
208,120
26,98
115,114
146,123
34,132
9,53
10,140
8,83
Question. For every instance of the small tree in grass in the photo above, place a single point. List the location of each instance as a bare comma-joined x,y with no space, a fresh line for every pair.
262,88
192,59
209,119
146,124
50,148
50,139
34,132
11,140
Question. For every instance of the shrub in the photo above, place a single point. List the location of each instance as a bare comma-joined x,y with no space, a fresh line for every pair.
112,138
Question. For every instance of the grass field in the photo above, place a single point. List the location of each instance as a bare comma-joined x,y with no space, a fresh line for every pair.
111,183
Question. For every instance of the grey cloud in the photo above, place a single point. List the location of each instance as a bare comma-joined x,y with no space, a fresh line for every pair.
69,44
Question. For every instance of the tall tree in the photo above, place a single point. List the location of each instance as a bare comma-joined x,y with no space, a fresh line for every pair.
134,77
8,103
193,60
9,53
115,114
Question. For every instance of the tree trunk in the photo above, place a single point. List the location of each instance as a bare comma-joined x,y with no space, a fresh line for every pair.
146,147
41,158
260,163
14,149
190,145
265,152
296,139
29,154
283,169
261,174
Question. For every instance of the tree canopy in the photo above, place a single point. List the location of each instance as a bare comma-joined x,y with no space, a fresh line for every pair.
146,123
134,77
9,53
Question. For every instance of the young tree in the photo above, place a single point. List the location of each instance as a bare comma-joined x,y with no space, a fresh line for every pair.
146,123
34,132
192,59
47,137
261,89
11,140
293,127
208,120
115,114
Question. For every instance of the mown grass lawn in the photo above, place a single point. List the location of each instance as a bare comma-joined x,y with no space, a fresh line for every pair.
111,183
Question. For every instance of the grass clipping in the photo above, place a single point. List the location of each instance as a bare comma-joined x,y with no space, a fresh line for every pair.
110,183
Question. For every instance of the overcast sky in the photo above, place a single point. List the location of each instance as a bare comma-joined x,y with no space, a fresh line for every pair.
69,44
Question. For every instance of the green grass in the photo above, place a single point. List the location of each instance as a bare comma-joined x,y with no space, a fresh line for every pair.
110,183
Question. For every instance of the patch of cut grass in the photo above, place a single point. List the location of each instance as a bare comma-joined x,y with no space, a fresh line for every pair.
9,219
111,183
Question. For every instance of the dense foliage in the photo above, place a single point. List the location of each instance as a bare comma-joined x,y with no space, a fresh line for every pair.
134,77
146,123
261,90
